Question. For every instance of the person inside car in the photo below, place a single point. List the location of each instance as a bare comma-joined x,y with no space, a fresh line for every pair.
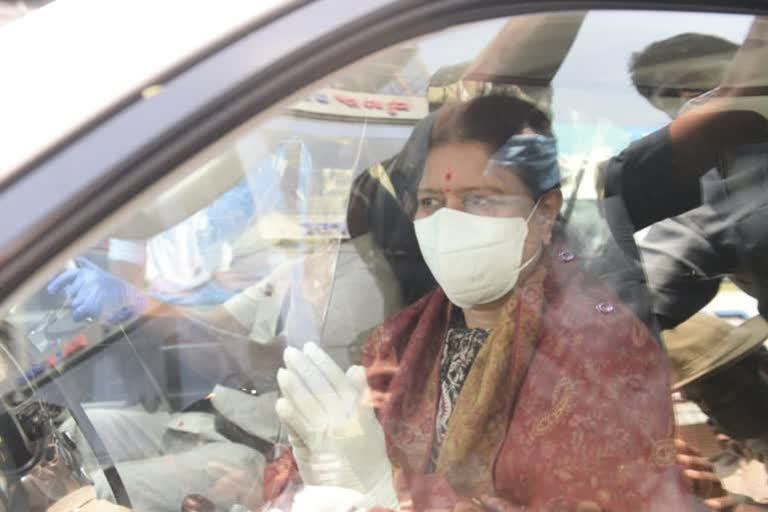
514,311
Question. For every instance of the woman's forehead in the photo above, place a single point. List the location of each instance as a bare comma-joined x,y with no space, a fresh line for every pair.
466,165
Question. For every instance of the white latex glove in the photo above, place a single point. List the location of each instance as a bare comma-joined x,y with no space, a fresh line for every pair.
312,498
336,438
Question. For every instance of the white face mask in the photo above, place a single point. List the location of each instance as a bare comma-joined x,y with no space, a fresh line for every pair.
475,259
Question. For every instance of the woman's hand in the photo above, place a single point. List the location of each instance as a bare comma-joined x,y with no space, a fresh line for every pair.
336,437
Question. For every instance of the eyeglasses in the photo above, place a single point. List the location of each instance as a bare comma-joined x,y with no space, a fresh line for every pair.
479,204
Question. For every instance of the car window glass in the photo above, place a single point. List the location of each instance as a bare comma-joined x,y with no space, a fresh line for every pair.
515,264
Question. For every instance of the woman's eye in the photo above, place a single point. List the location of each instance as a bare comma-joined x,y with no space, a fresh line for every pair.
428,203
497,205
478,202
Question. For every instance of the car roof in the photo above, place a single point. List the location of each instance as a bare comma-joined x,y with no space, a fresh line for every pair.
71,61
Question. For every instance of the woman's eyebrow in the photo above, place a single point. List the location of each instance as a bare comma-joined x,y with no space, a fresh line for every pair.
430,190
493,190
437,191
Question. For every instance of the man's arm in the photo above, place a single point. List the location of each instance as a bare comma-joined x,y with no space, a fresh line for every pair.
657,177
683,266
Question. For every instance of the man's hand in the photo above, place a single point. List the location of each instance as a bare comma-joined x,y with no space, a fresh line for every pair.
95,293
700,474
85,500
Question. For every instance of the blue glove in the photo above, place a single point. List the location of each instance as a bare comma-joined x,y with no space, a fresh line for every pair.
95,293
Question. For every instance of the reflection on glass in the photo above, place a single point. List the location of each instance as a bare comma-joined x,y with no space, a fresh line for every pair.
461,274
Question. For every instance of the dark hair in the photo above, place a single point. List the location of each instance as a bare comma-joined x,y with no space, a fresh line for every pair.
487,119
490,120
649,68
374,209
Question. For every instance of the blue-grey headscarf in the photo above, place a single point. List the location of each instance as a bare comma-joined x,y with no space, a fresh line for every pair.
534,156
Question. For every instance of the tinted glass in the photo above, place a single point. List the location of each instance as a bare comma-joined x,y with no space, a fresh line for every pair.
513,265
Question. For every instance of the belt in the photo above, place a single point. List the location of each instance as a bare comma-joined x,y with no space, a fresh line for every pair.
237,434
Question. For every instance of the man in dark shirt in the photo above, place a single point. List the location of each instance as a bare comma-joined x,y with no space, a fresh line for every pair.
700,182
658,177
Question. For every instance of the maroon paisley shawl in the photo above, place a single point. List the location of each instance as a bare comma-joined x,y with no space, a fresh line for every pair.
566,407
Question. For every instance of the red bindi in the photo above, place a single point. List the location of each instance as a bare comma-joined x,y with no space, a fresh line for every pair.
448,175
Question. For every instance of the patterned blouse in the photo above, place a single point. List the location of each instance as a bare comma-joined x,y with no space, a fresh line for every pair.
461,347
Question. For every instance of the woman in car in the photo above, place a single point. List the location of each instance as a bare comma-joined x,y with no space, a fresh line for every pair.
520,383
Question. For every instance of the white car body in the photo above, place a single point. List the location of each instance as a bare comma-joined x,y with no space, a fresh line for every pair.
71,72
